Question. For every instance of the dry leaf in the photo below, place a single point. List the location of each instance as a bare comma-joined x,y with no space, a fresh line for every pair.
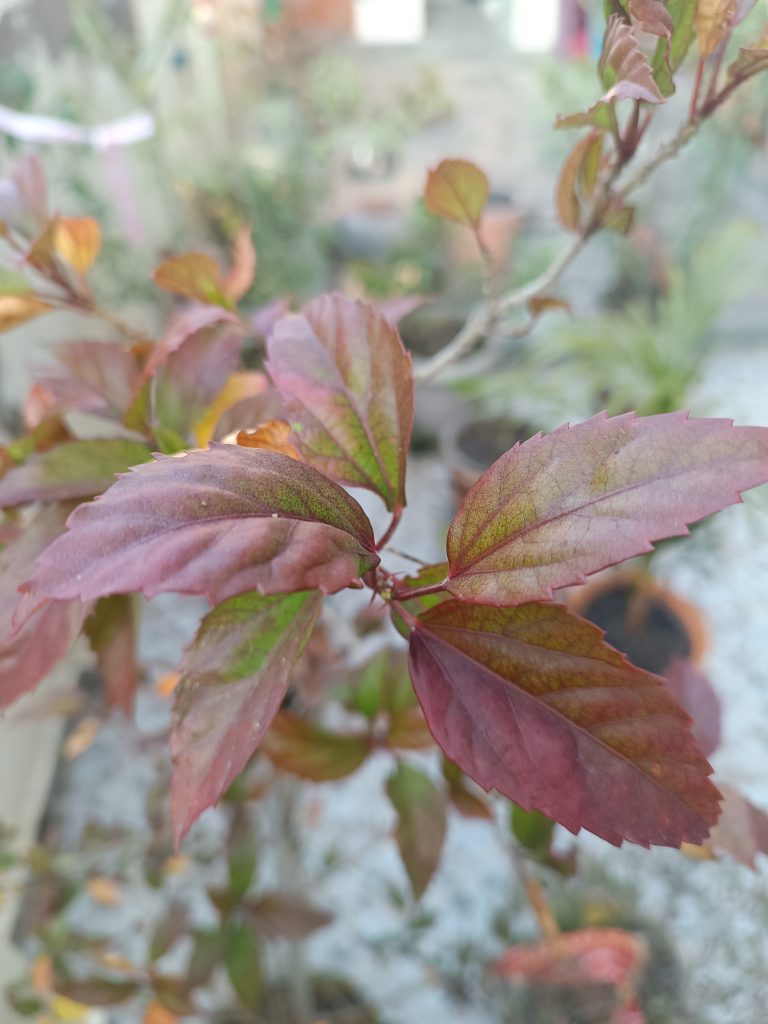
243,270
81,737
714,21
165,686
157,1014
275,436
17,309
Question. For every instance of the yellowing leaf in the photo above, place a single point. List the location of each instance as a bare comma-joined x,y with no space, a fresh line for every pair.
17,309
77,241
81,737
457,190
68,1010
195,275
104,891
157,1014
239,386
567,192
275,436
714,21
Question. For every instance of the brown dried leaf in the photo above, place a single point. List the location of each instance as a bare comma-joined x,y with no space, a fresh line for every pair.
275,436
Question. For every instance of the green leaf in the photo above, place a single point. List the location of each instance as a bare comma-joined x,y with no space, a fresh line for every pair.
77,469
347,383
421,823
457,190
671,53
195,276
233,680
383,684
244,964
531,828
242,863
301,748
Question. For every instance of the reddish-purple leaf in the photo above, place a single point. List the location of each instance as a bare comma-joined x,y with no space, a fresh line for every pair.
564,505
532,702
233,680
742,831
302,748
347,383
103,376
693,691
78,469
183,326
624,62
28,656
421,824
652,16
217,522
111,631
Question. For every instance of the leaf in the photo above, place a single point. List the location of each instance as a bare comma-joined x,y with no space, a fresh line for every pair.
567,192
98,991
244,964
652,16
742,831
182,327
28,655
624,62
564,505
157,1014
408,730
598,116
18,309
82,737
467,803
77,241
111,631
103,377
608,956
68,1009
301,748
104,891
619,219
275,436
29,177
421,824
234,678
694,692
171,927
541,304
457,190
237,388
240,277
347,381
671,53
714,22
285,915
532,702
751,61
194,275
77,469
217,523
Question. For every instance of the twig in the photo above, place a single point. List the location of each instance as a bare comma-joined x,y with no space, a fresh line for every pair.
666,152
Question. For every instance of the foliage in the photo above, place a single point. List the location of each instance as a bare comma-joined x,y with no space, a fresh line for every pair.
246,506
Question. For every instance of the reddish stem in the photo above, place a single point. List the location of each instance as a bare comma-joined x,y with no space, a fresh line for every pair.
409,595
387,537
696,89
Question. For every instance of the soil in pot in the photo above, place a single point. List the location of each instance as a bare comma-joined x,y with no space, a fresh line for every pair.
431,326
478,444
648,625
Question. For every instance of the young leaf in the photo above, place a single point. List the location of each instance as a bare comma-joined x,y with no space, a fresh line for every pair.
77,241
27,656
183,326
233,680
694,692
623,62
532,829
579,165
742,831
194,275
17,309
421,824
532,702
298,747
78,469
457,190
652,16
104,377
347,382
243,270
218,523
111,630
714,22
561,506
670,53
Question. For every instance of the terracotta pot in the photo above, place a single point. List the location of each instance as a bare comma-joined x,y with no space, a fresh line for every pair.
322,15
642,618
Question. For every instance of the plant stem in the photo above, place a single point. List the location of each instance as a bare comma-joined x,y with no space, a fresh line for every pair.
696,89
389,532
409,595
534,892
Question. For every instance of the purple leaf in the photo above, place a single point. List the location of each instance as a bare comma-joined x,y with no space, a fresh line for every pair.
103,377
532,702
27,656
217,522
694,692
564,505
78,469
233,680
348,384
